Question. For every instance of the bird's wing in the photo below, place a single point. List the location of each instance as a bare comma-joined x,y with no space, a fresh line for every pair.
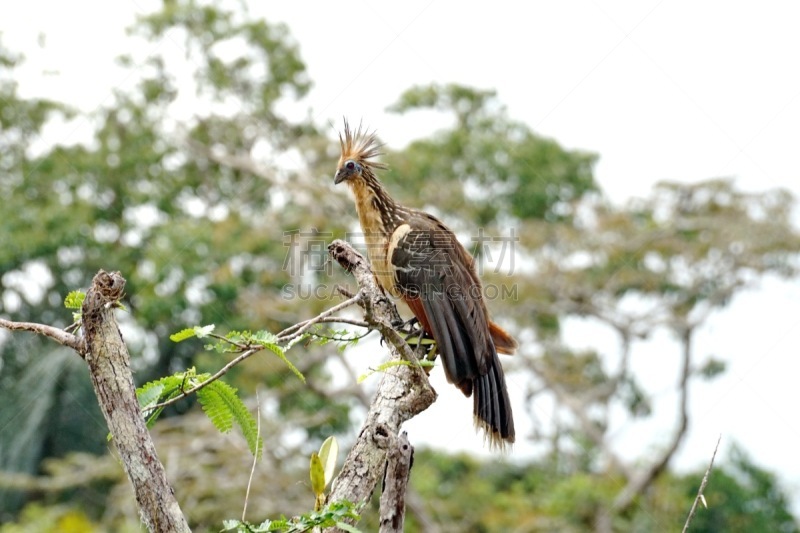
434,275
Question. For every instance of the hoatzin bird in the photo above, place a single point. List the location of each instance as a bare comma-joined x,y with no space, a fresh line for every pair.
417,258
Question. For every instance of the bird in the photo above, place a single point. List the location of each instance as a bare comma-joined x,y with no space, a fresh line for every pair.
416,258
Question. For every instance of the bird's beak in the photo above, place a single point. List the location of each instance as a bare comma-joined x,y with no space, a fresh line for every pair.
341,175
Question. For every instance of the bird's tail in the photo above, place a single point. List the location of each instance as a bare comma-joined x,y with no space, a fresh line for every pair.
492,408
503,341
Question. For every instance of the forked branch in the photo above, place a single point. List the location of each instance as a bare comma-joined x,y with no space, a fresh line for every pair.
403,391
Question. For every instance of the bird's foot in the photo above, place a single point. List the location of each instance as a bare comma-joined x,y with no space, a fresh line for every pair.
407,326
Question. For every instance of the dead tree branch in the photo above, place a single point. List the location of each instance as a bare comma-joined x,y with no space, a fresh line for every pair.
59,335
403,391
109,369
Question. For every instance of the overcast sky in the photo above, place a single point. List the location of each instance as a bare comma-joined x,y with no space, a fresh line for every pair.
669,90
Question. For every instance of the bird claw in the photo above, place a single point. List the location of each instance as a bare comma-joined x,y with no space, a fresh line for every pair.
406,327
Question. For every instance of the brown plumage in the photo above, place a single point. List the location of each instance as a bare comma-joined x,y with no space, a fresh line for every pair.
417,258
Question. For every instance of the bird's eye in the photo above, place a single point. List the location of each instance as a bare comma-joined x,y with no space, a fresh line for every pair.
350,165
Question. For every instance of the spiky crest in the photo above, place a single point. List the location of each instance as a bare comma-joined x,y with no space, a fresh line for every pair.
361,146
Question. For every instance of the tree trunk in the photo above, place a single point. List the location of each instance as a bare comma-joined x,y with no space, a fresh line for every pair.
109,368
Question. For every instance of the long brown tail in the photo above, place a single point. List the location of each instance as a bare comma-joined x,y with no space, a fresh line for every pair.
492,407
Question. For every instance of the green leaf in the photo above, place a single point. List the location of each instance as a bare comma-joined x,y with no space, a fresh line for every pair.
149,394
328,454
265,337
224,407
330,515
317,475
277,350
168,387
712,368
384,367
347,527
188,333
74,300
182,335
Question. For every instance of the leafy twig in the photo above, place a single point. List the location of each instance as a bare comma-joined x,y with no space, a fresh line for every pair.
221,372
294,332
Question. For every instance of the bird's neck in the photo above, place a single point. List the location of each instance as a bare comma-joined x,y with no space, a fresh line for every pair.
377,211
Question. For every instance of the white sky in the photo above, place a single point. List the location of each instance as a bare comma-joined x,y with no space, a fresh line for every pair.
673,90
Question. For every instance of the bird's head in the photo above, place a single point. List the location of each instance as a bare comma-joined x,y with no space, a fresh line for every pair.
348,170
358,150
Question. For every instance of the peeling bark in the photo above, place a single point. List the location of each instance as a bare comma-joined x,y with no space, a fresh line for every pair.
395,483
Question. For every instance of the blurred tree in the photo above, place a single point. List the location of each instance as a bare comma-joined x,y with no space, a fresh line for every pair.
663,263
494,169
462,493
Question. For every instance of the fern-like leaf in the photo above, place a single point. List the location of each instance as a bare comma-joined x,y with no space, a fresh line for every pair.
222,405
277,350
167,387
149,394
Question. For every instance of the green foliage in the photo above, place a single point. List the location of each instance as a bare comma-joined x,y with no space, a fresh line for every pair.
239,341
74,299
188,333
321,469
712,368
328,455
467,494
317,474
57,518
277,350
333,514
321,336
164,389
219,401
223,406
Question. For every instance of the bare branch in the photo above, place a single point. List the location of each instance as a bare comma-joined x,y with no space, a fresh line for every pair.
579,410
700,496
298,329
640,482
59,335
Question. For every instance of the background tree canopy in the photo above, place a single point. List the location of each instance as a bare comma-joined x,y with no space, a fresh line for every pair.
204,188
